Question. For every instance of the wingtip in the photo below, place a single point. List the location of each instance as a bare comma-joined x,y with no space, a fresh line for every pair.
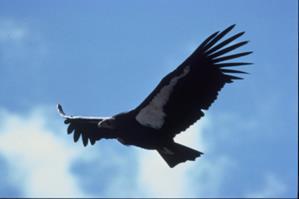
228,29
84,144
233,71
245,42
60,110
242,33
239,34
92,141
231,27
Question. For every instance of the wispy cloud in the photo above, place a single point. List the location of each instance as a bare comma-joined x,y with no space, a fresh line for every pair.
11,31
42,161
191,179
159,179
21,41
39,159
272,187
23,56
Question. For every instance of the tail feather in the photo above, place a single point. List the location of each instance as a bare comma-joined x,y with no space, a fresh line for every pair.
177,153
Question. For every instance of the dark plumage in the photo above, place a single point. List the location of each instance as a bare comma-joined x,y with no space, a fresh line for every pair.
175,104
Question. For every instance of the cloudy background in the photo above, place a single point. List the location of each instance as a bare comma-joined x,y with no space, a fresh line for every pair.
103,57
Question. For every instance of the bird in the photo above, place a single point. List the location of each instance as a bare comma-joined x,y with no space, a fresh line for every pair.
176,103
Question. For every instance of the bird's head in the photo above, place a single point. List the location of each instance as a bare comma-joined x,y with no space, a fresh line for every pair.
108,123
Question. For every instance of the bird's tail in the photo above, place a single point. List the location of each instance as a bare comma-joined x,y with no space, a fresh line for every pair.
176,153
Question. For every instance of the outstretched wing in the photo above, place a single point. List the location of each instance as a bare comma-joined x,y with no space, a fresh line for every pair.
178,100
87,127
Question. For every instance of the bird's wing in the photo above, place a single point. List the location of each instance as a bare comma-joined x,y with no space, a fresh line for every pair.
178,100
85,126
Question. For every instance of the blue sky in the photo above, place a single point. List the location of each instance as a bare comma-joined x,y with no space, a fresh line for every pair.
104,57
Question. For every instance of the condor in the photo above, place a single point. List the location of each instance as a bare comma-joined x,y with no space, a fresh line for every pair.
176,103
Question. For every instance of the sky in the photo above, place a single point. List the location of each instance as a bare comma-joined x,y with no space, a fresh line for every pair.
105,57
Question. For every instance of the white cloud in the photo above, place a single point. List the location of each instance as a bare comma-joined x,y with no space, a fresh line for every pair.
39,159
273,188
162,181
22,45
191,179
159,179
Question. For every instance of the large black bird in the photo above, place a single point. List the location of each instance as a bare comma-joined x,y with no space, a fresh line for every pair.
176,103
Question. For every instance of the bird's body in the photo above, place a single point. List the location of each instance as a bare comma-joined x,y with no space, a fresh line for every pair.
176,103
130,132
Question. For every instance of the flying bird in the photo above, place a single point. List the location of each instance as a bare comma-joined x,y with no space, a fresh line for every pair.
176,103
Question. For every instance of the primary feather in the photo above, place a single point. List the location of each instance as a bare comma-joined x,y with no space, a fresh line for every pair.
198,89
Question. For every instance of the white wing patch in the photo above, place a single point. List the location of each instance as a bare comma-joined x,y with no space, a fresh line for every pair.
152,115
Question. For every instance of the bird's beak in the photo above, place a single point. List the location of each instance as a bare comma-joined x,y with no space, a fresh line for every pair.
101,124
105,124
